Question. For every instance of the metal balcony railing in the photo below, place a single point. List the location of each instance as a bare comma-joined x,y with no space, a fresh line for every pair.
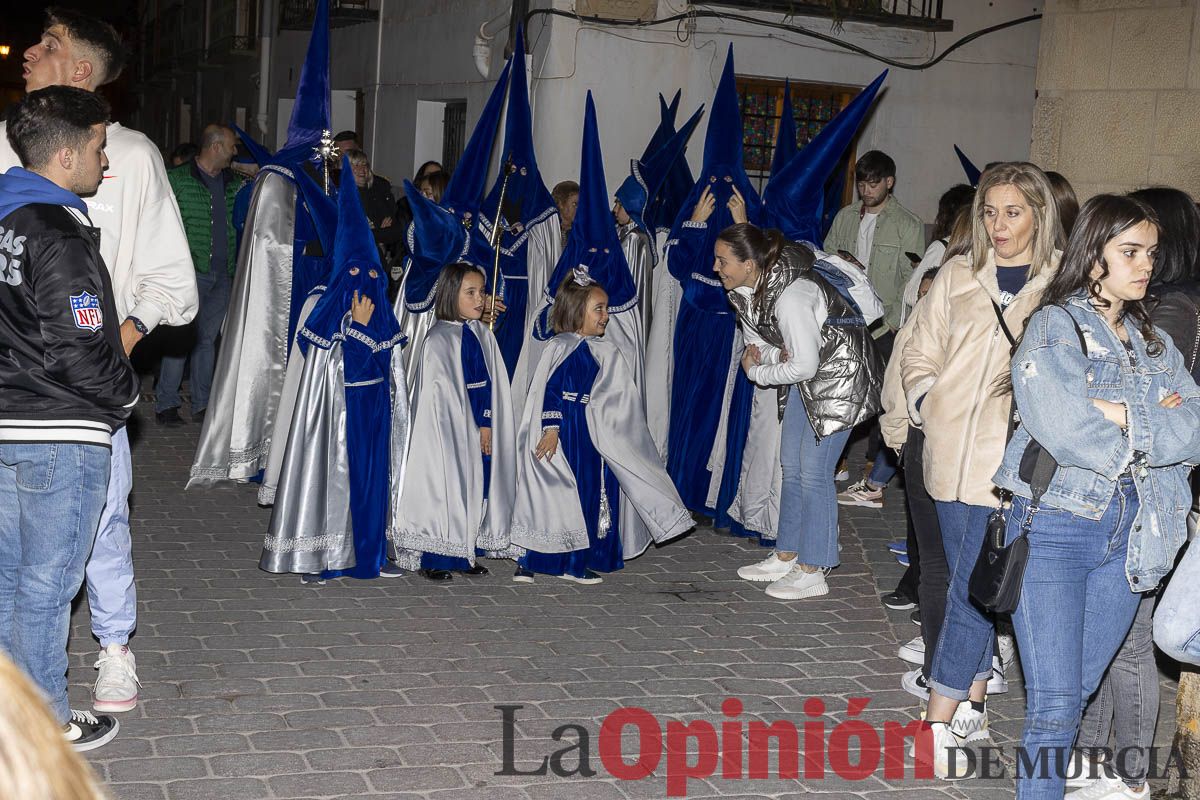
298,14
919,14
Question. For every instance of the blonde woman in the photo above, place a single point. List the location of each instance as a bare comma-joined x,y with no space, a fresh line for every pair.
958,354
36,762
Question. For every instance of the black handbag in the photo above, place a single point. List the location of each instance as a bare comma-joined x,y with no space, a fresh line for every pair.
996,578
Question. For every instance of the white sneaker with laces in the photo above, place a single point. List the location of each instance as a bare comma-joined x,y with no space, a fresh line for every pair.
997,684
771,568
915,684
798,584
1084,770
87,731
913,651
117,685
861,494
1105,788
968,724
1007,651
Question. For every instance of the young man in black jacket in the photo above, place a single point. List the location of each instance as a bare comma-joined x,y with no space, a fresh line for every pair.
66,385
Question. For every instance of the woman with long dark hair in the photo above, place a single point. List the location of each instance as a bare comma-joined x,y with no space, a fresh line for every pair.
789,302
1109,398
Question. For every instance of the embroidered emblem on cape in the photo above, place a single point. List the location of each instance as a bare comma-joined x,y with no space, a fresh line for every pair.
85,307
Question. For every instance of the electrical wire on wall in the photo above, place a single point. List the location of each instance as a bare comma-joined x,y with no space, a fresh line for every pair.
685,20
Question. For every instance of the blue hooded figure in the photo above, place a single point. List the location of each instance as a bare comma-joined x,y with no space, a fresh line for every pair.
530,238
708,413
343,465
279,262
446,232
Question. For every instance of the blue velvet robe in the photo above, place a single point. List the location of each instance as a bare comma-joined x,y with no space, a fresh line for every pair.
564,406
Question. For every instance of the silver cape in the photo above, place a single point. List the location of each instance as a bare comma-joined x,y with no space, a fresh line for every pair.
756,505
543,247
415,325
660,354
286,411
442,509
547,516
311,529
638,252
236,436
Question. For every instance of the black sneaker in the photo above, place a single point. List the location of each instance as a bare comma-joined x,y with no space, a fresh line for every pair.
915,617
439,575
312,579
897,601
170,417
87,731
478,569
522,575
392,570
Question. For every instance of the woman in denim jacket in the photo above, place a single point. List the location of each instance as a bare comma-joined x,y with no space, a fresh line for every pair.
1123,423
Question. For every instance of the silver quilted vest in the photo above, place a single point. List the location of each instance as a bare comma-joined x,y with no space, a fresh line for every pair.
845,391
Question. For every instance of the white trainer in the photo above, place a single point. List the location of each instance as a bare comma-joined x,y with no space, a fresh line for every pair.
968,724
117,685
950,762
770,569
997,684
1105,788
1007,651
1084,770
798,584
913,651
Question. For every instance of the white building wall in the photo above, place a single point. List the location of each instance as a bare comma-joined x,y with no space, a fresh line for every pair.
981,97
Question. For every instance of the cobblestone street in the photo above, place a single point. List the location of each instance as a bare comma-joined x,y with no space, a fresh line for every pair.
258,687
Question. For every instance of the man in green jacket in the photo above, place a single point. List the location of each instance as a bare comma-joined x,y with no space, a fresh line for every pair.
878,233
205,189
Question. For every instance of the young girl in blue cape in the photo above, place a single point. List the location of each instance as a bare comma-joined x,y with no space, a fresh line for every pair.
591,491
460,479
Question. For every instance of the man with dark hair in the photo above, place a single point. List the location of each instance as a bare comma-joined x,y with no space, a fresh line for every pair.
146,253
66,385
566,197
344,141
205,189
878,233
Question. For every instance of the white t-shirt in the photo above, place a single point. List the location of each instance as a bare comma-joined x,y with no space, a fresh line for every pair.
866,238
141,233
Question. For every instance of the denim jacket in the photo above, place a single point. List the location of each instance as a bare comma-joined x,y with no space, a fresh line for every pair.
1054,384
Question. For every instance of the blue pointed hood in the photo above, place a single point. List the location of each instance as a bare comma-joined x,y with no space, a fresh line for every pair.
356,267
972,171
649,173
663,209
666,124
437,234
469,180
322,209
593,245
723,142
311,113
785,139
526,191
796,194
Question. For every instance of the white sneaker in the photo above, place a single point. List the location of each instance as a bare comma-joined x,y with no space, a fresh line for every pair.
1084,770
1105,788
913,651
1007,651
997,684
798,584
968,724
915,684
771,568
950,762
117,686
842,474
861,494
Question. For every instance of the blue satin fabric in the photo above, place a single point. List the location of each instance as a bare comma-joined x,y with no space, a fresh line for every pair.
577,374
308,272
368,419
510,327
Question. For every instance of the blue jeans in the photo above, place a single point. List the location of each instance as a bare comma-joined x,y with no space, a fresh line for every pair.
112,594
964,648
1076,608
214,302
1177,620
885,467
808,509
51,496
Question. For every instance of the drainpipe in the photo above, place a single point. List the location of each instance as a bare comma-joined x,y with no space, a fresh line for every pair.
266,32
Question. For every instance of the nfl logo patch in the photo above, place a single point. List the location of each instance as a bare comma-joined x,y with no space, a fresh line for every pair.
86,309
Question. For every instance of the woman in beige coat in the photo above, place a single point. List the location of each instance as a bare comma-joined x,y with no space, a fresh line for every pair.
952,371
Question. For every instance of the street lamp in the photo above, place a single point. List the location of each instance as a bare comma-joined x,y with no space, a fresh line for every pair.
5,50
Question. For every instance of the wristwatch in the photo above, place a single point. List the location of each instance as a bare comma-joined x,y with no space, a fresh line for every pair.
139,326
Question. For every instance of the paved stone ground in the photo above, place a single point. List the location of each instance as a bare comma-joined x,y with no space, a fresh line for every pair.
258,687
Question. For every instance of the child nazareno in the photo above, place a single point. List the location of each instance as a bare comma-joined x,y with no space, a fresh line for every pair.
591,491
461,473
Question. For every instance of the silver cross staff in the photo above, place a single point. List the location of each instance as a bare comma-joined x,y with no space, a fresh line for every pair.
326,153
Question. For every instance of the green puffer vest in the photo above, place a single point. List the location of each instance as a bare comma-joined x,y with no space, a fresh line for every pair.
195,205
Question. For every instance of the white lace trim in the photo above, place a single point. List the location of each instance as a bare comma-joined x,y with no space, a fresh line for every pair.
303,544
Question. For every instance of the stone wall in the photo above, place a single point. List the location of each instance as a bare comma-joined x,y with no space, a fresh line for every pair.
1118,85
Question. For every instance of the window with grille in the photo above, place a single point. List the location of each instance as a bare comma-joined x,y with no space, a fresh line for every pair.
813,106
454,133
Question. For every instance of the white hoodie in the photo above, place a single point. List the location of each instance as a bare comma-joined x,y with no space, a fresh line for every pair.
141,233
